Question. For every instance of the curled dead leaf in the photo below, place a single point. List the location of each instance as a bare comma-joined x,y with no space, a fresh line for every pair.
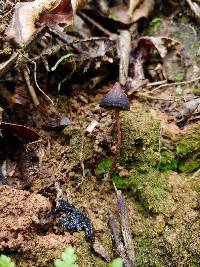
137,9
27,134
48,12
140,9
161,44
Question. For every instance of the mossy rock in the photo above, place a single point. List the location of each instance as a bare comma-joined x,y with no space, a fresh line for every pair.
167,232
151,190
103,167
146,251
183,155
140,139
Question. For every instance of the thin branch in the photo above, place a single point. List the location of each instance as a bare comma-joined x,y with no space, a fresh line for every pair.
98,26
116,236
196,174
194,7
124,50
124,222
147,96
176,84
31,90
170,98
156,83
35,79
123,238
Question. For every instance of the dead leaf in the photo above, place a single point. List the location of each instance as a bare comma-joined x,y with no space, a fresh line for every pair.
22,131
49,12
8,168
162,44
140,10
137,9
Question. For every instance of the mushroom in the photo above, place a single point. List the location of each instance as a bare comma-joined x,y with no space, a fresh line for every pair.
117,100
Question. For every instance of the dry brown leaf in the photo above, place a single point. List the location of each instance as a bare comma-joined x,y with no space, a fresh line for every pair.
162,44
137,9
49,12
133,4
141,11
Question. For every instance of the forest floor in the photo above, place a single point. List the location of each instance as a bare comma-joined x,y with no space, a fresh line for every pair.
57,142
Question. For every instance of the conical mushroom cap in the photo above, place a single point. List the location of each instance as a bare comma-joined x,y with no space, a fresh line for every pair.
116,98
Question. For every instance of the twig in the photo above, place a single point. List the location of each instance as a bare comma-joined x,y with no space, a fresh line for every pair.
123,239
98,26
171,98
176,84
116,236
195,8
156,83
7,13
35,79
6,66
29,86
124,50
124,220
195,174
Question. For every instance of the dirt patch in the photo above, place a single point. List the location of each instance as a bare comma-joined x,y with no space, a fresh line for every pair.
20,211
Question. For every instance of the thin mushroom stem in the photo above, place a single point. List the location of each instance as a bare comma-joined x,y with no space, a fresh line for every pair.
117,143
118,134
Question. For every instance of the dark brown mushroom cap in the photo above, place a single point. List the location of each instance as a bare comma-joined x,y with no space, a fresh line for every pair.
116,98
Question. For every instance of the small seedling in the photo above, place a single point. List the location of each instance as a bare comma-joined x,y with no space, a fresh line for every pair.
68,258
179,77
6,261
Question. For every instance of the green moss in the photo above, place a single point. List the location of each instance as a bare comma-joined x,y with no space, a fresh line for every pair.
140,139
147,255
168,161
188,151
85,256
151,189
188,166
183,154
76,143
182,149
103,167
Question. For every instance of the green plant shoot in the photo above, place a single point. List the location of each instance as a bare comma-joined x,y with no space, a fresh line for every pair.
6,261
68,258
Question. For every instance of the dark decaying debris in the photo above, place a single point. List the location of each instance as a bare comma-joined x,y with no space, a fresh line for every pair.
73,220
